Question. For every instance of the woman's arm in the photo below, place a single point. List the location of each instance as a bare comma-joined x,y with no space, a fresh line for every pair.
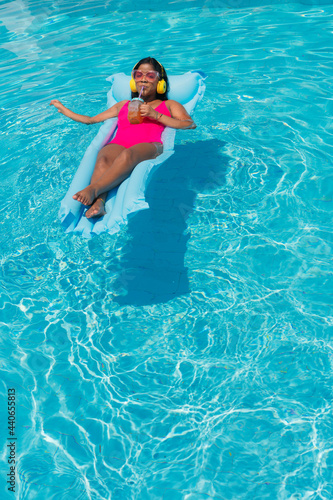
88,120
179,119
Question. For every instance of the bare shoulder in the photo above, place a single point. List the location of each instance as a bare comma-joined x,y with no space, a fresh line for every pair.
173,104
120,104
176,109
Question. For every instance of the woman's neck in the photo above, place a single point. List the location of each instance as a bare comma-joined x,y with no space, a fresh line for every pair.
150,98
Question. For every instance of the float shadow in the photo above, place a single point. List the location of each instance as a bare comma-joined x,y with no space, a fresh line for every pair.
152,264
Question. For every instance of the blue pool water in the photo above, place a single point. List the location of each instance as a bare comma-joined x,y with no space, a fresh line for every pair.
188,356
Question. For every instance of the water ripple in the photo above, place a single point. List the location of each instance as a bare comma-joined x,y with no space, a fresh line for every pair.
190,355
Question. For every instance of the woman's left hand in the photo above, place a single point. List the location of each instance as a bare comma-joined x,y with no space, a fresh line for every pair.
148,112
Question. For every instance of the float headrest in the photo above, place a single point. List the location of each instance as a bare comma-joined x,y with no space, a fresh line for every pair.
183,88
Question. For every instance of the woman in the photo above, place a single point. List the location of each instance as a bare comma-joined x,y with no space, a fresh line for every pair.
132,143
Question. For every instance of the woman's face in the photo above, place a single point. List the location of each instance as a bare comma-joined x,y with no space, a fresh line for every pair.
146,81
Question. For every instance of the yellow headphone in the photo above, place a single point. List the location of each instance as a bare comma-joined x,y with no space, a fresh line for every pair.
161,86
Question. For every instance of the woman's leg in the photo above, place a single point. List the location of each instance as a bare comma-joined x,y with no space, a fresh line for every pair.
122,166
104,161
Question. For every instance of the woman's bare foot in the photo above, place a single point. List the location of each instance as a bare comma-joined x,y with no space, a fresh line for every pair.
86,196
97,209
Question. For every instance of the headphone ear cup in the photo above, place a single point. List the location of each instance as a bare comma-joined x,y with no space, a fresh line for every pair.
161,87
133,85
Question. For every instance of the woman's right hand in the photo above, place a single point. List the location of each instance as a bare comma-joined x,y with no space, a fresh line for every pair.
57,104
88,120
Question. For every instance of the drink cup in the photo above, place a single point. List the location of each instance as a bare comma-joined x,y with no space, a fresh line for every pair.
134,116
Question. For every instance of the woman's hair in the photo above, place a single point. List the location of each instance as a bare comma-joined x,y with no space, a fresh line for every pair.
157,67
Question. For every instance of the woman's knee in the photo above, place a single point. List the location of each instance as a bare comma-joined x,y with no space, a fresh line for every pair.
102,162
127,156
102,159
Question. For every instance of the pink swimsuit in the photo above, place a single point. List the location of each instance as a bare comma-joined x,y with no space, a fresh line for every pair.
129,134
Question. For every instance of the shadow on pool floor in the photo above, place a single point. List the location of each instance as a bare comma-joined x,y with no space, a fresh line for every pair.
153,269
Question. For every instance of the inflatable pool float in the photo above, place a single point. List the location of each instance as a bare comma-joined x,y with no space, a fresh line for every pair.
129,196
